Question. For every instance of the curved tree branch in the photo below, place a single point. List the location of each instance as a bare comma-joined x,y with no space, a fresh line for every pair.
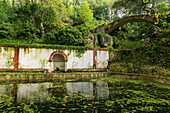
144,4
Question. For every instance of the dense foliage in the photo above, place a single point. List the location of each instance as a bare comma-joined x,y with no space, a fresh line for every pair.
138,47
68,22
144,47
65,36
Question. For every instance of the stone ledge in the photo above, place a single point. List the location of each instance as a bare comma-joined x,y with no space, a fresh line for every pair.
50,76
82,75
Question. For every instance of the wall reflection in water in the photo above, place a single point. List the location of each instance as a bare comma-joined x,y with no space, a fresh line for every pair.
33,92
5,92
42,92
97,90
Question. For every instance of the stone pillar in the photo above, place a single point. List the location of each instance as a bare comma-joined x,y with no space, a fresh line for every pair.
94,58
16,58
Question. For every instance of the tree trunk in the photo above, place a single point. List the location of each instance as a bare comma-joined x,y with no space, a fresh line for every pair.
42,31
28,40
34,35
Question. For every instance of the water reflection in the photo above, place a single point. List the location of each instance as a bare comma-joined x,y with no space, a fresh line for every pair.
102,91
33,92
5,90
85,88
90,90
42,92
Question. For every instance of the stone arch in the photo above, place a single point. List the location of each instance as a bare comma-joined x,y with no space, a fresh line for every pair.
114,25
58,60
59,53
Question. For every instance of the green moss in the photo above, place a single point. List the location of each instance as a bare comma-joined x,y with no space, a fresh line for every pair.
25,50
5,48
69,52
79,50
43,62
39,45
0,50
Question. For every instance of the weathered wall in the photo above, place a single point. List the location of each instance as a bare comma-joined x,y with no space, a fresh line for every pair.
42,58
39,58
7,57
34,58
102,58
76,61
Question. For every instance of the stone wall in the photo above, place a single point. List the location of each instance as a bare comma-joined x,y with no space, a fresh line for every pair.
101,57
36,77
49,76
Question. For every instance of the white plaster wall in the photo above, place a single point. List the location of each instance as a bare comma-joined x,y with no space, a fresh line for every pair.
85,61
34,58
7,57
102,58
38,58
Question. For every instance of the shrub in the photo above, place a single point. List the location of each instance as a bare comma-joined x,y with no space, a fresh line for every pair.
65,36
146,69
143,69
50,38
117,67
6,30
3,34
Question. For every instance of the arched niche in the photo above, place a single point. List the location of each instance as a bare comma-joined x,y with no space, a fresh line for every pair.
58,60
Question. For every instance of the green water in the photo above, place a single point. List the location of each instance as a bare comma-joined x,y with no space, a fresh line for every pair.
98,95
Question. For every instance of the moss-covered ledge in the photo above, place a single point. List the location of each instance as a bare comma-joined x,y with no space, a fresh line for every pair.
152,78
31,76
51,76
53,46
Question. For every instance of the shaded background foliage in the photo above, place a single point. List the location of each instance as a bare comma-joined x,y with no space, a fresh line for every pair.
67,22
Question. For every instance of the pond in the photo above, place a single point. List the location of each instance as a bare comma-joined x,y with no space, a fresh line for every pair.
103,94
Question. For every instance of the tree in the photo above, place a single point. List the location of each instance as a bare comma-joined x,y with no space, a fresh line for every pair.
29,18
61,11
5,9
6,15
65,36
81,14
100,9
